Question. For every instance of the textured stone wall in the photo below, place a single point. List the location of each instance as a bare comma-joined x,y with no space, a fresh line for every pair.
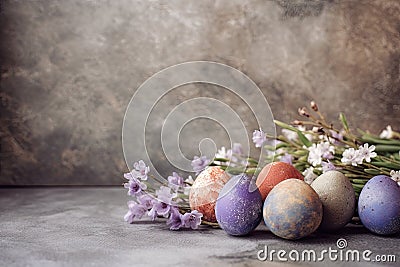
69,69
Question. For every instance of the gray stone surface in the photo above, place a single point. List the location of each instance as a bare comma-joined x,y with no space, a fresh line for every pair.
69,69
84,227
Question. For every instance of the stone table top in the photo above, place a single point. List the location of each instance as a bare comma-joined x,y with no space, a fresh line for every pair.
84,226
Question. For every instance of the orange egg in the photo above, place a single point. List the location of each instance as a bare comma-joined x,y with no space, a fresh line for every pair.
205,189
274,173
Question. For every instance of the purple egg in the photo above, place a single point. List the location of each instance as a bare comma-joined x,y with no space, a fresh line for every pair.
239,206
379,205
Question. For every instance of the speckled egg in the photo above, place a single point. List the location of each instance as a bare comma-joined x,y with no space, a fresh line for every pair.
379,205
274,173
338,199
239,206
205,190
292,209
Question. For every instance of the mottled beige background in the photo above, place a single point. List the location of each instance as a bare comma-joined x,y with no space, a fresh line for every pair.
69,69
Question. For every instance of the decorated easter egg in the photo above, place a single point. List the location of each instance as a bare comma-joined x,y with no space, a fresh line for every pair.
379,205
338,199
239,206
274,173
292,209
205,189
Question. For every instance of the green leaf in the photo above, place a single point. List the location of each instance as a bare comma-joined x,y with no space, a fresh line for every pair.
350,175
372,171
359,181
303,139
357,187
270,148
251,160
299,165
372,140
281,145
387,148
343,119
285,126
221,159
303,159
300,152
389,165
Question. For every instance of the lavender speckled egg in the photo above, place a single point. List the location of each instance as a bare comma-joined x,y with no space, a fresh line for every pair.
239,206
338,199
205,190
379,205
292,209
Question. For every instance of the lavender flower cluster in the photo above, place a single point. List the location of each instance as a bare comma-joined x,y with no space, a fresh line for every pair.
165,204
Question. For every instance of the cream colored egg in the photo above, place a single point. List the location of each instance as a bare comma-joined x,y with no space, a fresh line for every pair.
338,199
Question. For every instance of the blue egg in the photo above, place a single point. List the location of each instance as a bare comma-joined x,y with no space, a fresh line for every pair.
379,205
292,210
239,206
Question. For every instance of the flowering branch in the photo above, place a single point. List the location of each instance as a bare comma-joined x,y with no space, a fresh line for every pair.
323,147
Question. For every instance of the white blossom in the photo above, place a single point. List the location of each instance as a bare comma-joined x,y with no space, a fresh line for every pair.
354,157
367,152
290,135
395,176
351,156
259,138
189,180
387,133
320,151
222,153
309,175
314,155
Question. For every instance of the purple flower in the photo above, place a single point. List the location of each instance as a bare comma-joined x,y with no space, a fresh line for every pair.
175,181
199,163
164,195
129,176
141,170
175,219
146,200
336,137
135,186
159,209
259,138
287,158
135,210
192,219
327,166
